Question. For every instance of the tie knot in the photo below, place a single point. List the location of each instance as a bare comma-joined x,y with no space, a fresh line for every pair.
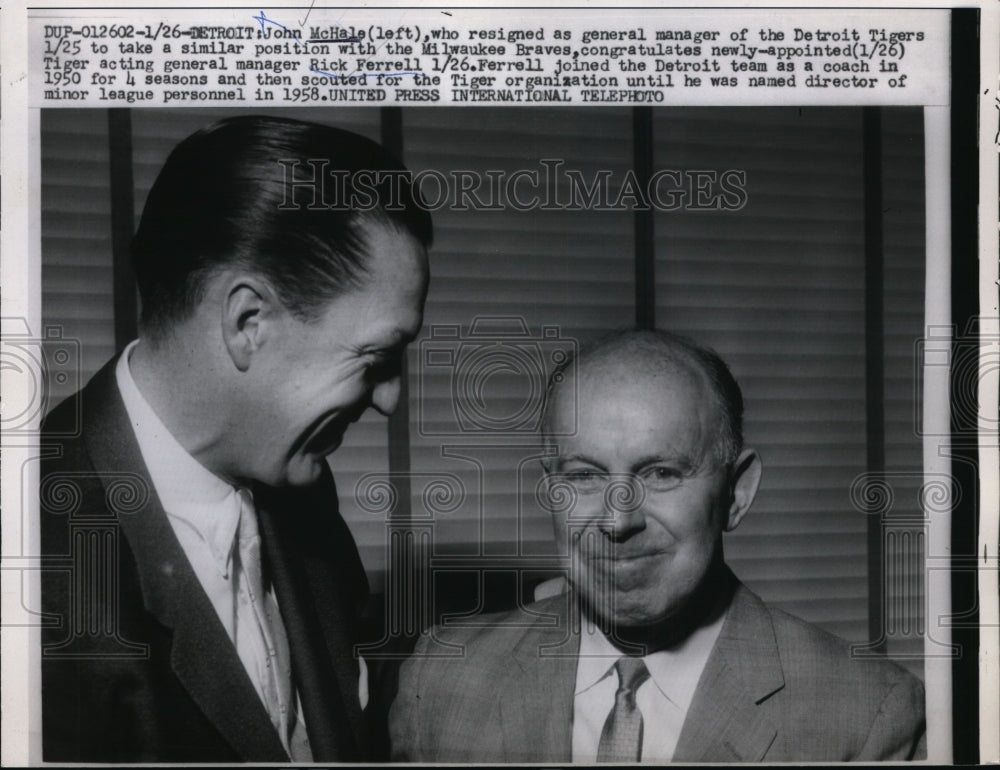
632,672
248,515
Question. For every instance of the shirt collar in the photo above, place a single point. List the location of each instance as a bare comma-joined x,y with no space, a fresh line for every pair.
188,491
675,671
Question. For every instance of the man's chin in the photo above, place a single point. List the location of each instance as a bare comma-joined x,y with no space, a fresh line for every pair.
622,611
304,472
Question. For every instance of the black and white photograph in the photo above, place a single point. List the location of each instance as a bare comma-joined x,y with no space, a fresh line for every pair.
502,433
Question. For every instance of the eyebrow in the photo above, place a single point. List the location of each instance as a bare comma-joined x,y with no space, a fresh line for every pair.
561,460
685,463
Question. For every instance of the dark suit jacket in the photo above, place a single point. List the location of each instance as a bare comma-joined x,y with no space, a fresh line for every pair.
136,666
774,689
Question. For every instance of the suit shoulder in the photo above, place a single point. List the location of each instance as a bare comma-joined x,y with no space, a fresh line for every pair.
870,707
448,702
484,643
864,698
62,430
496,631
64,417
807,649
68,481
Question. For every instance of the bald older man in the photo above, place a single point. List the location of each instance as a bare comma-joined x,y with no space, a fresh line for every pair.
657,652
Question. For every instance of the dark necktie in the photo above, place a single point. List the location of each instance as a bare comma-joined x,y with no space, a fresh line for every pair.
621,739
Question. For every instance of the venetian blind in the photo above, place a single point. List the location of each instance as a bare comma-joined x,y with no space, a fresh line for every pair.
777,288
511,291
77,277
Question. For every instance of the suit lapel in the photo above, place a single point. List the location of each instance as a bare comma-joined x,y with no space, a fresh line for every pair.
202,656
536,697
323,663
725,721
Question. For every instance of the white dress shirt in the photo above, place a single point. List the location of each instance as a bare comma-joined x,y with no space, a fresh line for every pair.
204,512
663,699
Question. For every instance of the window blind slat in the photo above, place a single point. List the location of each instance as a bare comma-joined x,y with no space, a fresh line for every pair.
76,237
570,270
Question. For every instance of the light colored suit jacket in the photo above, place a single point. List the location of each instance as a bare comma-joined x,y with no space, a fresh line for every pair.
774,689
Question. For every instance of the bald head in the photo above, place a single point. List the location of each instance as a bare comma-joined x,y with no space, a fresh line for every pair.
657,360
644,472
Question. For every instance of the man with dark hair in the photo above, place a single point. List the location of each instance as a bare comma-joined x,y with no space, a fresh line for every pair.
657,652
208,592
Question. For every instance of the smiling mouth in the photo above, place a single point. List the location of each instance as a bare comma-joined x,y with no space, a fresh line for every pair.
612,559
326,437
627,558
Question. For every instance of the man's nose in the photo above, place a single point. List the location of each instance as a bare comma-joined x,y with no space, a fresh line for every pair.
385,395
623,506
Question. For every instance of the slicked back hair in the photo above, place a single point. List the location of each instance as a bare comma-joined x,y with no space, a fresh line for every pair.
256,192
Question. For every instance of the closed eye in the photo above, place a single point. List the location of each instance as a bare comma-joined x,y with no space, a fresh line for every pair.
384,363
382,370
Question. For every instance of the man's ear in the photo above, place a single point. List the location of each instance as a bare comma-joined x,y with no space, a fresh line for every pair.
248,308
744,482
